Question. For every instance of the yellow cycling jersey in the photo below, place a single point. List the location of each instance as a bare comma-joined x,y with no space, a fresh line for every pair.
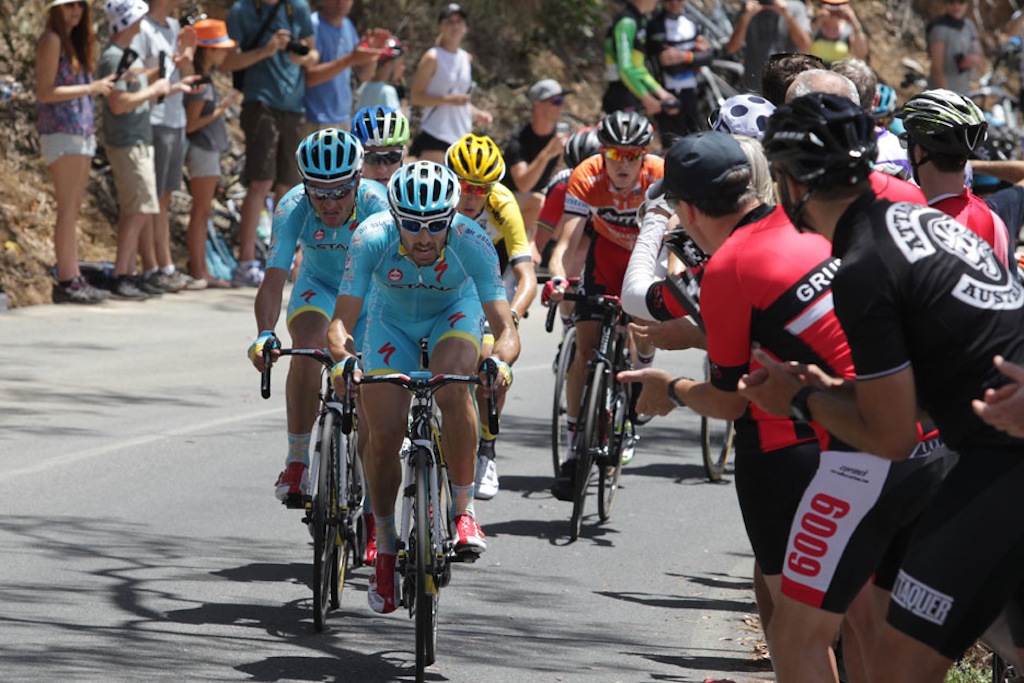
503,221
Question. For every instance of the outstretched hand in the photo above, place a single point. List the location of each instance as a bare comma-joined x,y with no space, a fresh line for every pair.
772,386
653,398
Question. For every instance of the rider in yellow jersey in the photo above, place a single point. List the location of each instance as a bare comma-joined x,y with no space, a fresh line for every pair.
478,163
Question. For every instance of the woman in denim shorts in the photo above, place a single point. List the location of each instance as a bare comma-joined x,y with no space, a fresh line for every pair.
65,90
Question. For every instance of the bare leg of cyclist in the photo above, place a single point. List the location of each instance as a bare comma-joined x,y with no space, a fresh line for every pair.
308,330
385,409
801,642
898,657
860,628
458,438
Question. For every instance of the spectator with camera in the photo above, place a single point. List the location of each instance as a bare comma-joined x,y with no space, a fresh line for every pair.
837,33
329,83
276,46
765,28
953,47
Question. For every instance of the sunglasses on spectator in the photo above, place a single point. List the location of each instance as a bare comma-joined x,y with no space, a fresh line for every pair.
616,154
435,227
384,158
557,101
327,193
474,189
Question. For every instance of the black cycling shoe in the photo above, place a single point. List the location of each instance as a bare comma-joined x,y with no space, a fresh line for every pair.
564,486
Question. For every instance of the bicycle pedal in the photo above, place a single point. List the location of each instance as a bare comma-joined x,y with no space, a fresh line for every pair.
466,556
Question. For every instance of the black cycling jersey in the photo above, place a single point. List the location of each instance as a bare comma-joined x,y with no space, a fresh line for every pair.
916,287
1008,204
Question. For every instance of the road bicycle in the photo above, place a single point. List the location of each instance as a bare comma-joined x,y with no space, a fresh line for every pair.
335,502
604,423
716,435
426,543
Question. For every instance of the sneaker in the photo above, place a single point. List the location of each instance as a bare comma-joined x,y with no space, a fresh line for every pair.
385,583
125,287
150,285
471,536
247,274
78,291
173,283
371,539
486,478
195,284
292,484
564,486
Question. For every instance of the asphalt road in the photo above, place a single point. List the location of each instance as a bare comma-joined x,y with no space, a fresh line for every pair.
140,540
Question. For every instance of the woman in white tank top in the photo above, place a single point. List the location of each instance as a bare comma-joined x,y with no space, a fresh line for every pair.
442,86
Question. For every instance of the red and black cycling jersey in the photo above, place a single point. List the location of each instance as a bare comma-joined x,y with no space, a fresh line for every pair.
896,189
769,285
916,288
974,212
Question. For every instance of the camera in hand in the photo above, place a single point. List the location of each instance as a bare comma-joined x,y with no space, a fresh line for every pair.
204,80
127,57
297,47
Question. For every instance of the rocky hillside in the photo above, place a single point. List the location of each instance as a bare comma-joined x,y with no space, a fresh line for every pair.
514,44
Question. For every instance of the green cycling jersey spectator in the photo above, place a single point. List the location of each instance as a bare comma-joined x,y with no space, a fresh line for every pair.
630,85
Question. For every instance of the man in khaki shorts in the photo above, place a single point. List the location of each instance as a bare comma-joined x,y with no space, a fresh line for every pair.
128,138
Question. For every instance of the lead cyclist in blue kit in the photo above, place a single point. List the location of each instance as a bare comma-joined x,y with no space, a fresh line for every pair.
320,216
423,271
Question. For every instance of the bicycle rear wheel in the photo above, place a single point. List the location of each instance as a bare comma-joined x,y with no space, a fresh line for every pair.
347,538
610,468
716,437
324,518
589,430
559,417
425,587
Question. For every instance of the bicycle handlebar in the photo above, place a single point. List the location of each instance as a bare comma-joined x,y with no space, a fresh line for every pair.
420,382
320,355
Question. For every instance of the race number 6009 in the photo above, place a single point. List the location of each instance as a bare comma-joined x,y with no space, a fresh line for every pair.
816,527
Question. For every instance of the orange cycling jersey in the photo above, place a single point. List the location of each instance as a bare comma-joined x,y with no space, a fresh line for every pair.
614,211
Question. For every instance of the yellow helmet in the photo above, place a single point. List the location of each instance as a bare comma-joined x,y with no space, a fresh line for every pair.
476,159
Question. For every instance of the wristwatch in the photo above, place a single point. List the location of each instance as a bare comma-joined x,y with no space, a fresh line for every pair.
672,392
798,407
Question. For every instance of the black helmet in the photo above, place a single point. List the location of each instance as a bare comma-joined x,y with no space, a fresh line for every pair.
625,129
822,141
944,121
580,145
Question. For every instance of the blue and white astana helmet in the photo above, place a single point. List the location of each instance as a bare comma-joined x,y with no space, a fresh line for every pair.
330,155
423,191
745,114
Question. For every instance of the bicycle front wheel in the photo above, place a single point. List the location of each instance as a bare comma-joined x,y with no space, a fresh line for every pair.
591,434
426,589
610,468
324,518
559,417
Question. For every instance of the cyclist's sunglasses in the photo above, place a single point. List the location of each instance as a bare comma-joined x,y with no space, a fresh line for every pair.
384,158
618,154
474,189
435,227
326,194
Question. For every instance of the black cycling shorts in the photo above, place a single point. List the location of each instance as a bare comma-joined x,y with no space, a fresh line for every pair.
965,560
855,520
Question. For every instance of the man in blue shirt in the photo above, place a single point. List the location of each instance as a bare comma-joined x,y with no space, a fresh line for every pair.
328,98
273,60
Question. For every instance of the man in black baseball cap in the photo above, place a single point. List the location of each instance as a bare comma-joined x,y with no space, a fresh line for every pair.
450,9
702,167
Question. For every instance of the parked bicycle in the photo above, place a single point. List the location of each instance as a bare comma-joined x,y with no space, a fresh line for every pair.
334,504
426,543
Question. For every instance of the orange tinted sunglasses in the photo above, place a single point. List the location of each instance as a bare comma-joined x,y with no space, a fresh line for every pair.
617,154
475,190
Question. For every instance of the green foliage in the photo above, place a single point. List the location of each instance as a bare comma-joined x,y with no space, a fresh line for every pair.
969,671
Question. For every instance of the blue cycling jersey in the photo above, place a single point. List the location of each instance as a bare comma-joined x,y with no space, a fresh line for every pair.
377,266
323,248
